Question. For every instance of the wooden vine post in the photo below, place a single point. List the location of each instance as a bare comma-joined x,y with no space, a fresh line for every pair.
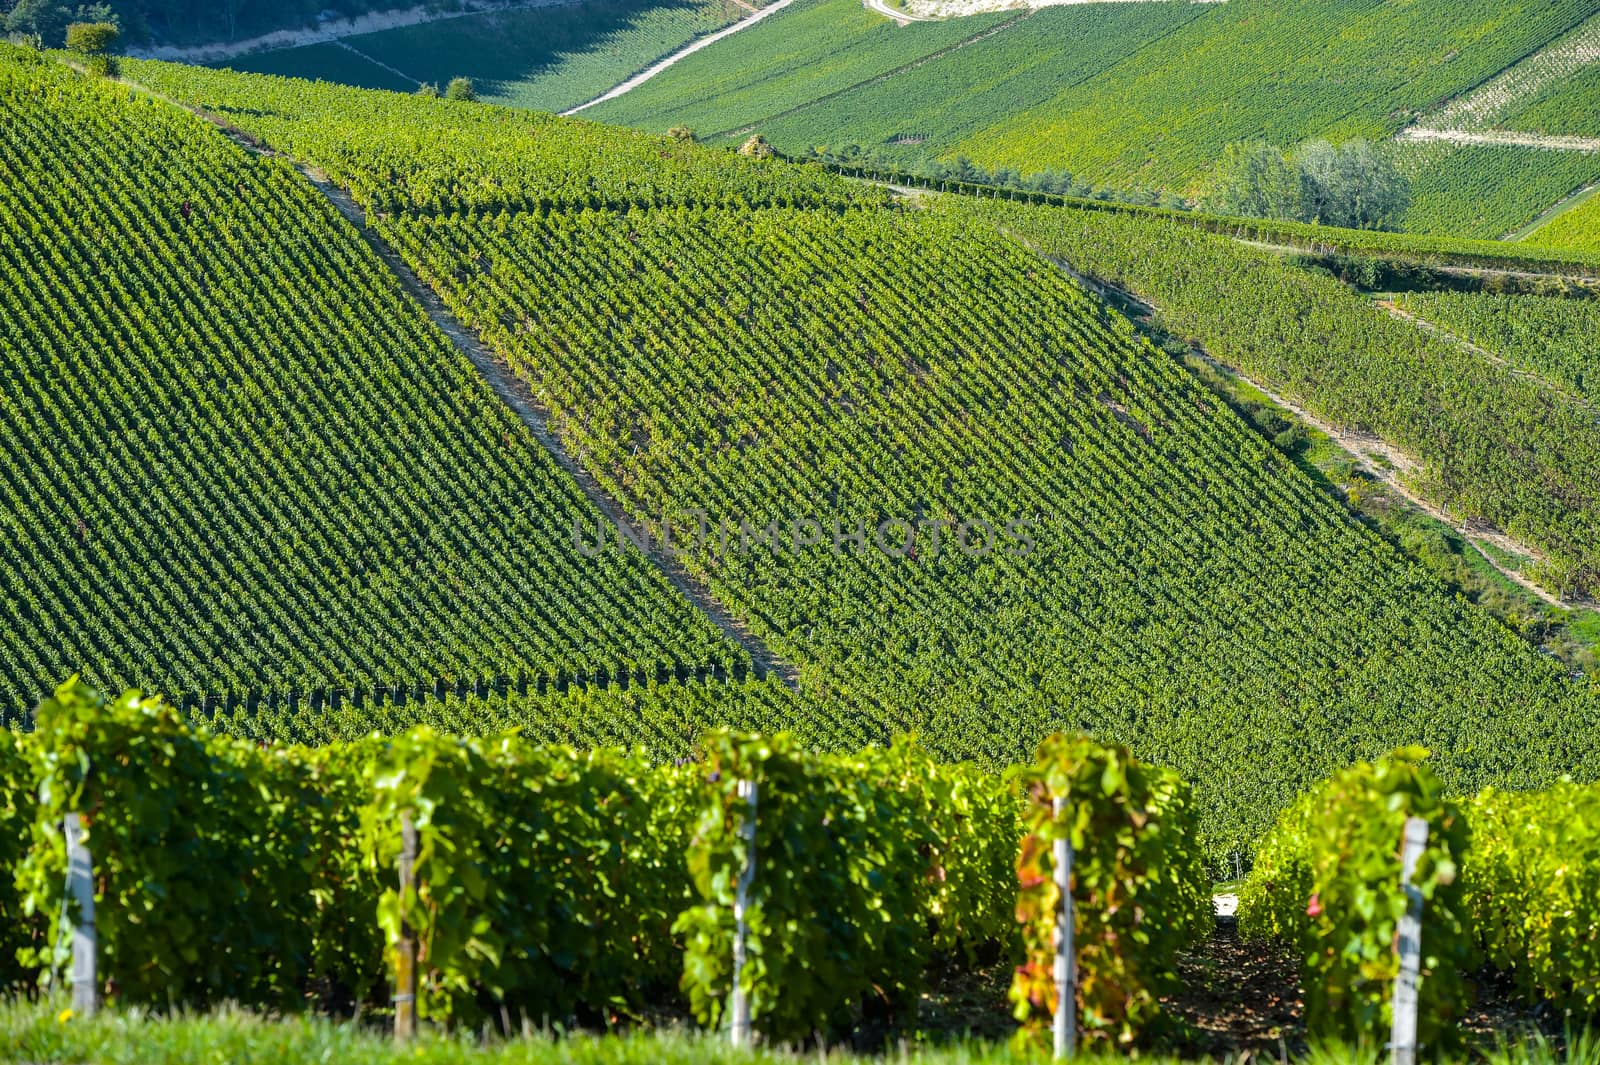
405,975
1066,1015
739,1030
80,889
1408,944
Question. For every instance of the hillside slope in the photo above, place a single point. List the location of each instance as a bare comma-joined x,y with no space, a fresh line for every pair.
241,462
775,348
550,58
1138,95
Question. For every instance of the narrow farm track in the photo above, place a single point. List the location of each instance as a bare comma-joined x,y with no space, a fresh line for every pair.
380,64
874,80
900,17
1502,138
1440,331
1361,448
510,389
683,53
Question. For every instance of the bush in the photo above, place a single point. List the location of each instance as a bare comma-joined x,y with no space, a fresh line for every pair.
1532,881
92,38
19,931
224,871
547,881
1140,889
460,89
858,859
1327,879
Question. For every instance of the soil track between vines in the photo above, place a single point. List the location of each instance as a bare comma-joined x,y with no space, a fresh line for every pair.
506,385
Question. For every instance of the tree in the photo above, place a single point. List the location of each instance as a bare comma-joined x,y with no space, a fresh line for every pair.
460,89
1258,180
45,18
428,89
681,133
91,38
1353,185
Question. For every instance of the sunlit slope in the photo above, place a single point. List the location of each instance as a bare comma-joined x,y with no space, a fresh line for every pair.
761,344
238,460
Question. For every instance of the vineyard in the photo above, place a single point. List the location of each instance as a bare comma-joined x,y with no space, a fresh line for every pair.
848,375
1312,339
1487,191
242,461
491,879
1555,338
1337,70
548,58
827,71
551,883
1577,230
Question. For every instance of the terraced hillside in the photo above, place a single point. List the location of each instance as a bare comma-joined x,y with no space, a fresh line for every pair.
1139,95
758,343
240,461
550,58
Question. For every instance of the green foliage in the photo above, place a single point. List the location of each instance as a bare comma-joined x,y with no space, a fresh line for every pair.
1347,360
460,89
1554,337
546,880
1532,882
1140,888
347,506
45,20
223,871
1575,230
549,58
1487,190
1257,180
1351,186
1164,115
1328,879
92,38
20,931
858,859
403,153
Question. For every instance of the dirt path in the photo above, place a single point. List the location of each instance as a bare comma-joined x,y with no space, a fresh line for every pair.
380,64
903,18
373,22
682,53
1501,137
507,386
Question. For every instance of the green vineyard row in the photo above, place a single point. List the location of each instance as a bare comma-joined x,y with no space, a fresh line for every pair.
241,460
548,883
1331,350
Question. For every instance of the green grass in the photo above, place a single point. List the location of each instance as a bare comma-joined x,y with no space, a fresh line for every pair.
40,1034
548,58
